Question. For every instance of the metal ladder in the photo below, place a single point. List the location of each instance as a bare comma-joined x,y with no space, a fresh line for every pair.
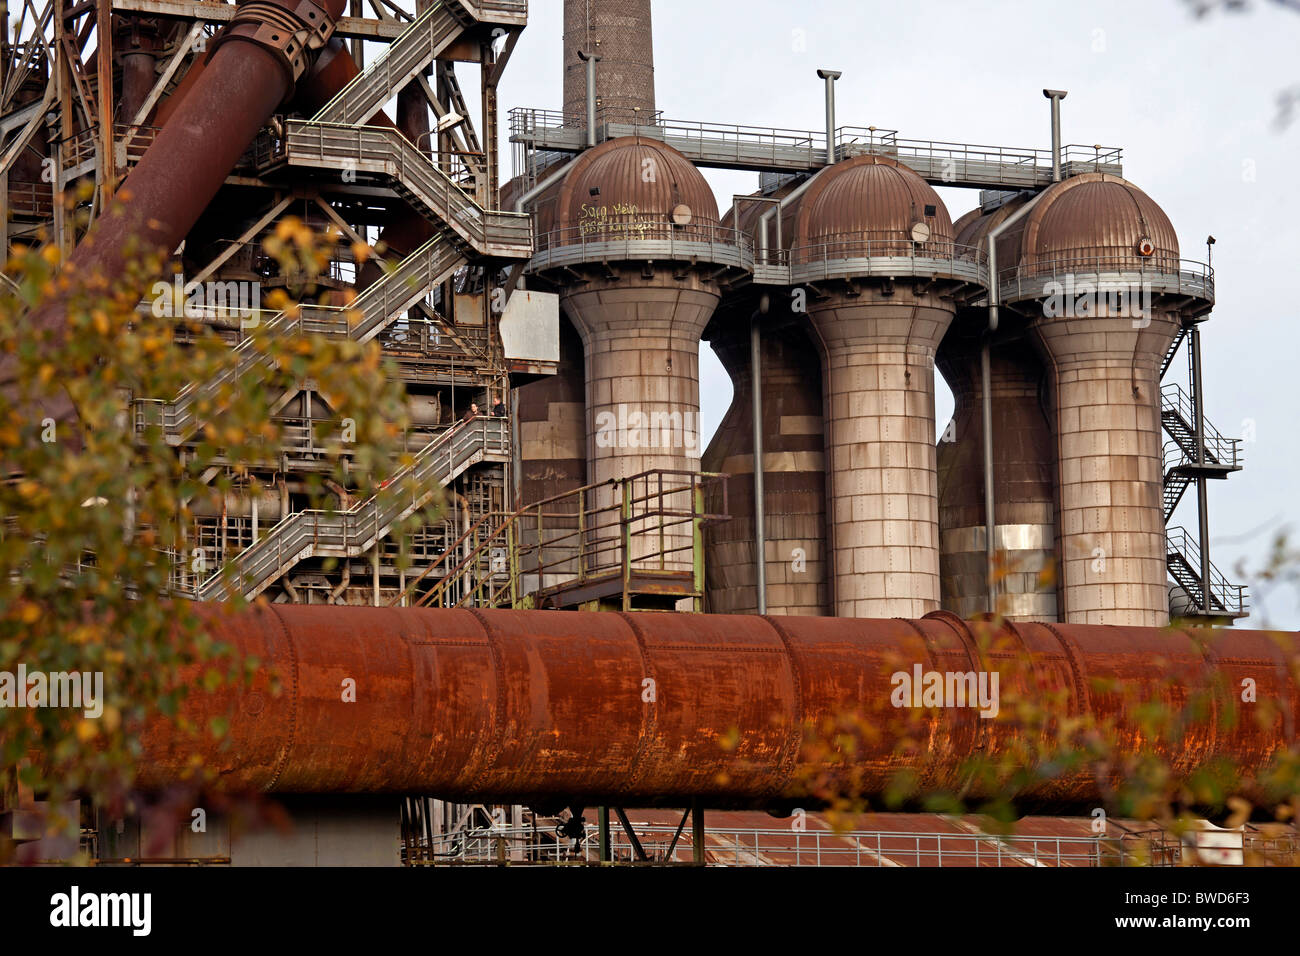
347,534
378,306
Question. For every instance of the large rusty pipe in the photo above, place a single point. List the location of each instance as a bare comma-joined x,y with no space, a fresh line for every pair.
189,160
633,709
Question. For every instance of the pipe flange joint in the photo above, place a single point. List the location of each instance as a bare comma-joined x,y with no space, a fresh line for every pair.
292,34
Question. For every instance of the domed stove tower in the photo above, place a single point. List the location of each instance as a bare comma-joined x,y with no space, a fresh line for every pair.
637,252
1024,494
1100,279
873,246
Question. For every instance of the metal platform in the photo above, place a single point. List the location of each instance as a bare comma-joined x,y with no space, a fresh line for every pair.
776,150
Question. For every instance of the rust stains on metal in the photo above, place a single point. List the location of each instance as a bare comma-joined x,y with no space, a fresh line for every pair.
651,709
626,186
163,197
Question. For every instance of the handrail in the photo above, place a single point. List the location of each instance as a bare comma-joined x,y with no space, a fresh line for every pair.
592,541
1219,450
376,306
482,229
640,237
1109,265
428,35
303,533
1229,598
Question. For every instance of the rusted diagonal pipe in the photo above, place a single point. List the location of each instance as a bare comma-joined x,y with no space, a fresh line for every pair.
633,709
251,69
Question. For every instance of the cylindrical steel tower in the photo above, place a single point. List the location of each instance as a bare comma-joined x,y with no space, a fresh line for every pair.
1098,275
794,470
1023,456
878,242
636,252
617,31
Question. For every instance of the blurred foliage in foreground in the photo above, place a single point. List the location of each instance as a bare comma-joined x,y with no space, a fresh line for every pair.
94,509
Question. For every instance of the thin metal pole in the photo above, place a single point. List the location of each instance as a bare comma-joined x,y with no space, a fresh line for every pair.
697,832
602,816
591,62
1202,504
1056,96
990,525
830,76
756,389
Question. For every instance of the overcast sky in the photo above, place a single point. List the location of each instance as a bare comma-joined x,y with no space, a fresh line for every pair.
1191,101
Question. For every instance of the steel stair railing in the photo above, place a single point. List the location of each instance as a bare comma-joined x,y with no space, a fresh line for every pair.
1172,350
1183,558
320,533
378,306
1175,481
425,40
1178,415
386,152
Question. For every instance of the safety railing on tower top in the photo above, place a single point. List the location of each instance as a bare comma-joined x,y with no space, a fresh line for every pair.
646,524
1112,270
640,236
893,256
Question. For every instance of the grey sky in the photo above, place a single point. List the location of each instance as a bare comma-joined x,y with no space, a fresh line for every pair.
1192,102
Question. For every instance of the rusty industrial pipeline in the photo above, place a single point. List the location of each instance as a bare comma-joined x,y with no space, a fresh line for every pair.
655,709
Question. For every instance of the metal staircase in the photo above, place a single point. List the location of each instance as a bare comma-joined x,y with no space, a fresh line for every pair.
427,38
377,151
1173,349
346,534
377,307
1178,415
1187,459
1183,556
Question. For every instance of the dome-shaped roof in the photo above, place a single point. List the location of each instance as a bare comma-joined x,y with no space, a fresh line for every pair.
627,188
871,198
973,230
1099,218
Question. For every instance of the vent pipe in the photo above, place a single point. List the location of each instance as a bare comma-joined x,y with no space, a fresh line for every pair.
1056,96
591,60
830,76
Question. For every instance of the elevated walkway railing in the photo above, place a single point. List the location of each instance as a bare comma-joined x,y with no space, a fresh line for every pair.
633,238
773,149
374,309
385,152
872,257
775,846
640,539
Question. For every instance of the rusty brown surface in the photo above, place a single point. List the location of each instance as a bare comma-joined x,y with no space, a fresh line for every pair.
539,705
173,183
1096,216
869,199
638,183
